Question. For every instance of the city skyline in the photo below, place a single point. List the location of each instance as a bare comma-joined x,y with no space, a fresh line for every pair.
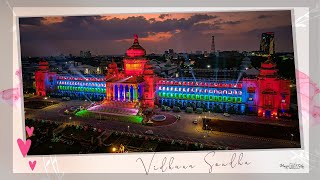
183,32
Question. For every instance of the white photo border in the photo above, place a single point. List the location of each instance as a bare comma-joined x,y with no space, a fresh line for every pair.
261,161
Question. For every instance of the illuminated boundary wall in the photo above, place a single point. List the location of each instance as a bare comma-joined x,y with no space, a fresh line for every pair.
217,96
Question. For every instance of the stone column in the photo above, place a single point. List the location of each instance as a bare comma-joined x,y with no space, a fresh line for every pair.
124,93
135,93
119,95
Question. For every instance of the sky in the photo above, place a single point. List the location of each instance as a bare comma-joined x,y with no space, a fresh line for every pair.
184,32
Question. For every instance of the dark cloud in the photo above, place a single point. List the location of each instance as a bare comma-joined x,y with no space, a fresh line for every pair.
162,16
36,21
93,27
263,16
221,22
232,22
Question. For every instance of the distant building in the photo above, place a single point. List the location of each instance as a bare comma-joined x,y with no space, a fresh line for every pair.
84,69
217,53
267,43
205,53
229,54
170,55
198,52
85,54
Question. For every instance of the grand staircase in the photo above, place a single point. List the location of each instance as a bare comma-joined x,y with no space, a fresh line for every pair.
116,107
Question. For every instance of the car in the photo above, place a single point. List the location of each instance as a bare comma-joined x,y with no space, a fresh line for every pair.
226,114
149,132
66,98
195,121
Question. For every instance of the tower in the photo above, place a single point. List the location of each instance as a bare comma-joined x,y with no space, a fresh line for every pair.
213,47
274,92
40,77
135,60
267,43
149,87
45,80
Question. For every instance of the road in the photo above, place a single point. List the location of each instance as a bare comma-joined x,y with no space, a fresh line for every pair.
182,129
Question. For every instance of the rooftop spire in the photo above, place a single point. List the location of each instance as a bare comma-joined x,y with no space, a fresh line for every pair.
269,59
136,41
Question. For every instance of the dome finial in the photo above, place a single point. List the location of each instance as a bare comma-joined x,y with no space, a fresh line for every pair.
269,60
136,41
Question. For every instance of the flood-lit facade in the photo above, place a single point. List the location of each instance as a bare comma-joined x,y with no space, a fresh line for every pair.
266,95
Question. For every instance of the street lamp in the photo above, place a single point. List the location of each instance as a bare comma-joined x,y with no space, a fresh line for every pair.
114,149
128,128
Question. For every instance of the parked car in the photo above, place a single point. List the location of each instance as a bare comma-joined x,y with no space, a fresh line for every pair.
65,98
226,114
176,109
189,110
149,132
199,110
195,121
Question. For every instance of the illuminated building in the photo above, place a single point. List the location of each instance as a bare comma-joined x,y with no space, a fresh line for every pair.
210,95
74,86
45,80
136,83
267,43
137,86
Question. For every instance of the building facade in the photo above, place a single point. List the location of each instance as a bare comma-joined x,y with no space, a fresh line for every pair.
265,95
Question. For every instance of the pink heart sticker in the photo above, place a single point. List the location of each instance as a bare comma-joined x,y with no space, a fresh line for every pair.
29,131
32,164
24,147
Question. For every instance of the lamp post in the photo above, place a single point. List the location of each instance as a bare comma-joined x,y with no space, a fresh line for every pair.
207,130
128,128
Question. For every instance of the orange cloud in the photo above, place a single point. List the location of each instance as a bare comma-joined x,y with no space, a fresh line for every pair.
154,37
148,16
51,20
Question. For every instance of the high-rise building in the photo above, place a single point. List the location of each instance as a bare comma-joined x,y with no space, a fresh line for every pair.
213,47
267,43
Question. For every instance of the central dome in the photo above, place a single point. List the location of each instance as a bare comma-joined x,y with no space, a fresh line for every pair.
136,50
